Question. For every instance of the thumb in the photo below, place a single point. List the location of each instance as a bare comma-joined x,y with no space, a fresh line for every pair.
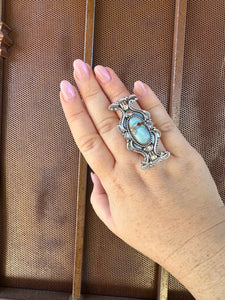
100,203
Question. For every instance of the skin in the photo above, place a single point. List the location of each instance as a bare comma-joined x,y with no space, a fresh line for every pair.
171,212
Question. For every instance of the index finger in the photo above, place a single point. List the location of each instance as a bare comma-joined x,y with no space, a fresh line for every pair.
94,150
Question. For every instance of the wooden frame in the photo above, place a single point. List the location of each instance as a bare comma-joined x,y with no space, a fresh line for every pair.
16,294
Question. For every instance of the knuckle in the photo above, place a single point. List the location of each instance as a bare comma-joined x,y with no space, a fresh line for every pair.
167,126
188,164
153,107
106,125
72,116
91,93
120,93
195,157
88,142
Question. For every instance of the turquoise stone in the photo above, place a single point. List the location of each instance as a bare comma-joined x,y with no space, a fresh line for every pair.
139,131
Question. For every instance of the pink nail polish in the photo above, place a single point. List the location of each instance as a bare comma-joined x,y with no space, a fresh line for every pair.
81,70
140,88
92,177
102,74
67,91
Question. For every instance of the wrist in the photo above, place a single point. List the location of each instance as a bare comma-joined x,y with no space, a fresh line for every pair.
200,263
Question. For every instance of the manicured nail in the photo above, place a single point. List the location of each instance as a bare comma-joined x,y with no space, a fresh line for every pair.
139,86
67,91
81,70
92,177
102,74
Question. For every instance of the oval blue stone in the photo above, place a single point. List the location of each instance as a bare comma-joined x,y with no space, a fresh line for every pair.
139,130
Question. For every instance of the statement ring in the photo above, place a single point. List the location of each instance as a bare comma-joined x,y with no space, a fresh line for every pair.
138,130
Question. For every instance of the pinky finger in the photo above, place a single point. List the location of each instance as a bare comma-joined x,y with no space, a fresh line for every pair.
100,203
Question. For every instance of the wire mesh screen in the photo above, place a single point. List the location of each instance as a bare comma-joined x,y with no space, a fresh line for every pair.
202,103
40,159
202,106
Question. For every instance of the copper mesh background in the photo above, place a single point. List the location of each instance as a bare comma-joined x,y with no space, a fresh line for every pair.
202,106
39,171
40,157
202,103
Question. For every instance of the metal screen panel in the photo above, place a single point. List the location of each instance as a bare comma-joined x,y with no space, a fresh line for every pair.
40,159
39,172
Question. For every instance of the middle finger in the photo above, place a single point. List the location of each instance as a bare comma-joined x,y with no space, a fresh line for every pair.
97,105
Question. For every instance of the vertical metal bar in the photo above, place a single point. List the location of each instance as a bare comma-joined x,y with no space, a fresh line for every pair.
81,193
2,10
89,32
1,85
162,286
177,60
174,104
2,219
5,43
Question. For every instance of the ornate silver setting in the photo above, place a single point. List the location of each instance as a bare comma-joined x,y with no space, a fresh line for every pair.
141,136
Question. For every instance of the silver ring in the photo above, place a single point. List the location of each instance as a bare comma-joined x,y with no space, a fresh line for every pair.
138,130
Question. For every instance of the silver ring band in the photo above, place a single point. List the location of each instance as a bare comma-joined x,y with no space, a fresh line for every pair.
138,130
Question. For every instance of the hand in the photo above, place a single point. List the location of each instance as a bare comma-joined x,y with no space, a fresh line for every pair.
170,212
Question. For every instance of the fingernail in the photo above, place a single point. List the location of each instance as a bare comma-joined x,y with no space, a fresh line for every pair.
67,91
139,86
81,70
102,74
92,177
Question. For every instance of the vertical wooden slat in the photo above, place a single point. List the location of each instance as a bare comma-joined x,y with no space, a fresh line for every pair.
1,85
89,32
162,286
174,103
177,60
2,9
5,43
2,221
81,194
